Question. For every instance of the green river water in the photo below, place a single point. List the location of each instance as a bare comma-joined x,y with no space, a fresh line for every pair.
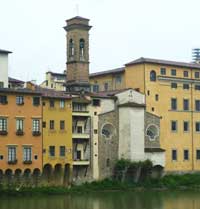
107,200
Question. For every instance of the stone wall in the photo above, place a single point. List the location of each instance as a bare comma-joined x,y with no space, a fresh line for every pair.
108,146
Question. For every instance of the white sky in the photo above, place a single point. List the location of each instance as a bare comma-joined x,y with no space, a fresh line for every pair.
123,30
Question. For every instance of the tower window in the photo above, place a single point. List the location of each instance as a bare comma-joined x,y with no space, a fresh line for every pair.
152,75
82,46
71,48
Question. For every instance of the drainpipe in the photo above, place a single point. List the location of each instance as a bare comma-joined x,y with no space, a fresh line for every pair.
192,125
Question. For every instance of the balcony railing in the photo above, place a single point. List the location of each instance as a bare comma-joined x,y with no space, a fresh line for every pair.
12,162
19,133
27,162
36,133
3,132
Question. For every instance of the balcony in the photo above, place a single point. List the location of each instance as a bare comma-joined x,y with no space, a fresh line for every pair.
76,135
3,132
27,162
36,133
81,113
12,162
81,162
19,133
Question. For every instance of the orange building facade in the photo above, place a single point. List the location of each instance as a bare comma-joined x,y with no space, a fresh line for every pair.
20,131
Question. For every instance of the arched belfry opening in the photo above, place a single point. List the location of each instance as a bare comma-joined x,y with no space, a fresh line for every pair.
77,29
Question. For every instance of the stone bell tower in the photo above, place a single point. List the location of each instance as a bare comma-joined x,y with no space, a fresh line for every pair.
77,37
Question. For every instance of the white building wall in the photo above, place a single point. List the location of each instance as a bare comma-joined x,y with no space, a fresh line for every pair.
130,96
4,69
157,158
131,133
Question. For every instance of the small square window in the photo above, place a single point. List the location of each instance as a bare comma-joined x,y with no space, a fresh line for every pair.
19,100
96,102
186,86
95,131
197,87
3,99
163,71
173,72
174,85
36,101
95,113
35,157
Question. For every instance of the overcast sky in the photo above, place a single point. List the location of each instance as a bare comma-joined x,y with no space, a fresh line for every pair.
123,30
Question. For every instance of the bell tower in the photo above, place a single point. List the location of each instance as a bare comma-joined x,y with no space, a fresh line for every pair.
77,37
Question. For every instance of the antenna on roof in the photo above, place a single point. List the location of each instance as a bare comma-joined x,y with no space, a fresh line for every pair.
77,9
196,55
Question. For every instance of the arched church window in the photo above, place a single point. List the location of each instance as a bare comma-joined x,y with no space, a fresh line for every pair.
71,48
107,130
82,47
152,132
152,75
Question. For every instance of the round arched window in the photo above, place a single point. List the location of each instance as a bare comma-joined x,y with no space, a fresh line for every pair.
152,132
107,130
152,75
71,47
82,46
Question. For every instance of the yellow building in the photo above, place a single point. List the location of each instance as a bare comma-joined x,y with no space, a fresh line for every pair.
57,133
172,92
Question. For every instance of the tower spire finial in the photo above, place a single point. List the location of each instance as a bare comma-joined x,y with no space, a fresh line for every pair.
77,9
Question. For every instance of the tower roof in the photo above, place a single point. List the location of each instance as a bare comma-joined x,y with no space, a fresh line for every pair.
2,51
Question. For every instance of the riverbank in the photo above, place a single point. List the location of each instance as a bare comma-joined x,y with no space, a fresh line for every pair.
177,182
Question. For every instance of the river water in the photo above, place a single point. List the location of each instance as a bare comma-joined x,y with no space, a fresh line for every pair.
107,200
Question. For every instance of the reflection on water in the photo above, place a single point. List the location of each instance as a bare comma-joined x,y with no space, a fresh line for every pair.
112,200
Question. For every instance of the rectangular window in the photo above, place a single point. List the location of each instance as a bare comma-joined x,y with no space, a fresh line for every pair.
173,104
174,154
52,151
197,87
51,124
185,73
3,99
186,154
79,107
197,105
62,103
105,86
186,104
196,74
11,154
43,124
173,72
62,151
19,124
186,86
174,85
51,103
62,125
163,71
156,97
27,153
36,125
95,88
197,125
19,100
198,154
3,124
79,130
96,102
36,101
118,79
185,126
1,84
173,125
